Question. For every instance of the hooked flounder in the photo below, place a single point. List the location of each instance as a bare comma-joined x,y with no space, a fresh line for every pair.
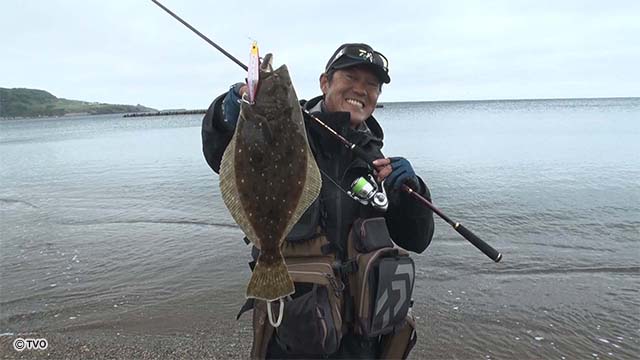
268,177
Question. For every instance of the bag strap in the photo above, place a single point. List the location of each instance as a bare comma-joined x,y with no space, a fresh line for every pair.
349,266
262,331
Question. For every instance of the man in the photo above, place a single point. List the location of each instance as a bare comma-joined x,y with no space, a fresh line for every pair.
351,84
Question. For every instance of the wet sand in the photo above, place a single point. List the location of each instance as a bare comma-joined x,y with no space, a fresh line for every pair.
194,336
217,340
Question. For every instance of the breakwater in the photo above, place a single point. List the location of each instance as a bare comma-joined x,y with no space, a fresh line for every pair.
166,113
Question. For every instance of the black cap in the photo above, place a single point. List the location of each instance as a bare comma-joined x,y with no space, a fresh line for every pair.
348,55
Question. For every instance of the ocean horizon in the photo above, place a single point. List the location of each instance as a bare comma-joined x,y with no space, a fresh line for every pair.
379,103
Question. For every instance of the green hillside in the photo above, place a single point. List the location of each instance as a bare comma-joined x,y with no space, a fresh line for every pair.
31,102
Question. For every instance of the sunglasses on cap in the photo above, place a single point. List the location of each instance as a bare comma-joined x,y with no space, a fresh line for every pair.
356,54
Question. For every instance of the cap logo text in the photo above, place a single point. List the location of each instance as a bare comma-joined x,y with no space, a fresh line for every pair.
366,55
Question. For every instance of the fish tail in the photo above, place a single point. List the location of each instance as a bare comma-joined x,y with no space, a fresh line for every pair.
270,281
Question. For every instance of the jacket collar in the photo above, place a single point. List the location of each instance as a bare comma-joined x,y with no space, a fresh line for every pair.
367,137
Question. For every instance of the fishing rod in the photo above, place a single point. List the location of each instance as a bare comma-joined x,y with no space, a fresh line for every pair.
487,249
202,36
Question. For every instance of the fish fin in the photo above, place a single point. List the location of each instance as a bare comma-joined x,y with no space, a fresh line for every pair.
311,191
229,190
266,64
270,281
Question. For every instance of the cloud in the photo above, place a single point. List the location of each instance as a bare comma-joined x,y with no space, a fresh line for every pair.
133,52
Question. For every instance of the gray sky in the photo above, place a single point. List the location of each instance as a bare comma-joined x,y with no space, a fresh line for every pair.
132,52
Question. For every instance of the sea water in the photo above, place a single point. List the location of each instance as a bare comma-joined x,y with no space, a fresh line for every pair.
104,218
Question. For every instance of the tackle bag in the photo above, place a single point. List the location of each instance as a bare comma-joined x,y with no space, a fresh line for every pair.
312,321
381,282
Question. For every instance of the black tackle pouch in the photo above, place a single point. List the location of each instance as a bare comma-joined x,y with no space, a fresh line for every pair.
391,282
312,319
371,234
307,327
382,283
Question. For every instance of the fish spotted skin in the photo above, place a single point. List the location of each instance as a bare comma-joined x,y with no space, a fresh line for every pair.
268,178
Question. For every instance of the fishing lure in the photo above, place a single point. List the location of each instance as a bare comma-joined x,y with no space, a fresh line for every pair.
253,73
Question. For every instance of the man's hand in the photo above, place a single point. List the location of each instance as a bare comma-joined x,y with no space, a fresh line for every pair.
231,106
382,168
397,171
243,90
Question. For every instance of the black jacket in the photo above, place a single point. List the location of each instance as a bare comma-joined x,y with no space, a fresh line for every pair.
410,224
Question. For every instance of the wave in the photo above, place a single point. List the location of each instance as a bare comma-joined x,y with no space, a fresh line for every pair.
581,270
4,201
170,222
567,246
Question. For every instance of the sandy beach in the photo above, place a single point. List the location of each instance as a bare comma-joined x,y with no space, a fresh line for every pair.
205,337
214,340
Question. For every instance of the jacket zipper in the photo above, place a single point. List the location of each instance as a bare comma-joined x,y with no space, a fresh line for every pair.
339,205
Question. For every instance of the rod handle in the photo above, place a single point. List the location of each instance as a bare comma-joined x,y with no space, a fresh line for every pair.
479,243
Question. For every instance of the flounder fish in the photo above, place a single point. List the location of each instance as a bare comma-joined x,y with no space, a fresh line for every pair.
268,177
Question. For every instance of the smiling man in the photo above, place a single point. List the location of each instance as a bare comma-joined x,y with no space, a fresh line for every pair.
352,81
351,84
